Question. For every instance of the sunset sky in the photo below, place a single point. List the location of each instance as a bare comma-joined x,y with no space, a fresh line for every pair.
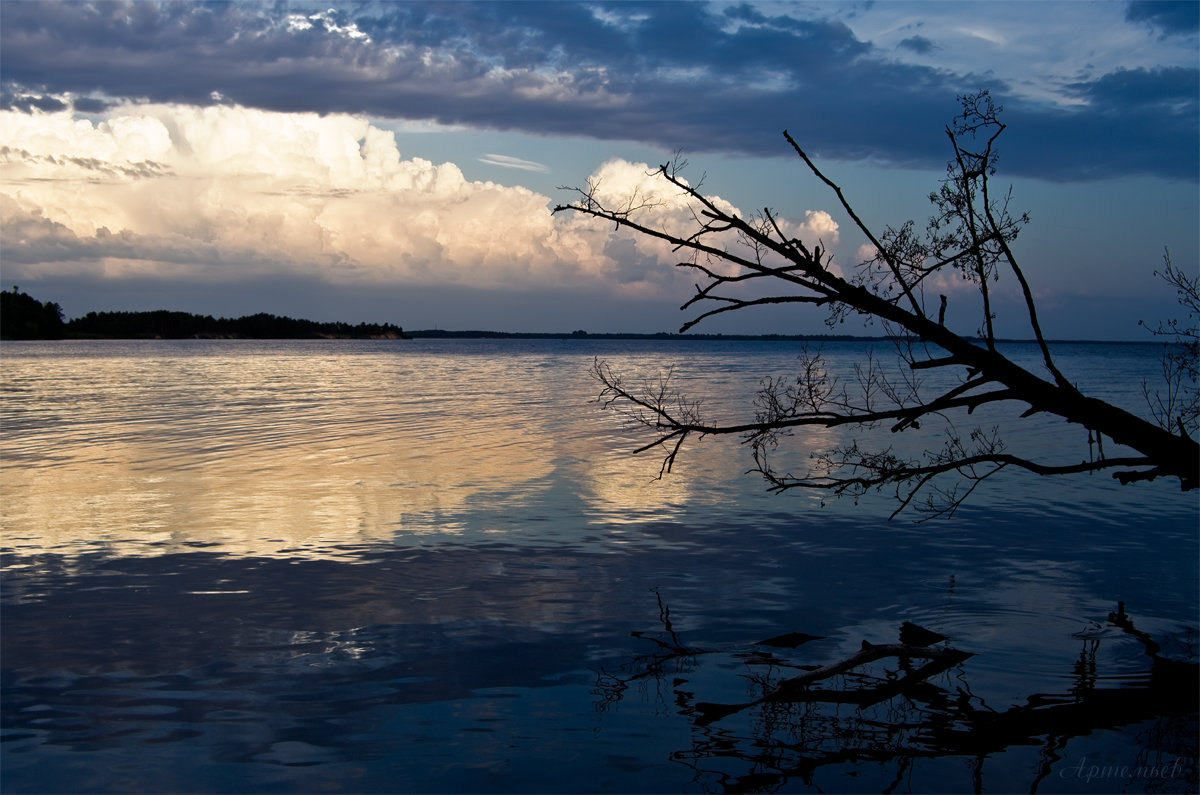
398,161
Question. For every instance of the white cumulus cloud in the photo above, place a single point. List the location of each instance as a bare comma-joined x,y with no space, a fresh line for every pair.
222,192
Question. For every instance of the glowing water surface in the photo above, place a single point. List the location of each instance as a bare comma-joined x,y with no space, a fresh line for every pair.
419,566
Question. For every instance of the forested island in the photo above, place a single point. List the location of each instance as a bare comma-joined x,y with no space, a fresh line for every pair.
23,317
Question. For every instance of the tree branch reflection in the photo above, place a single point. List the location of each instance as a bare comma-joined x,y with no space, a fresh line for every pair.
895,703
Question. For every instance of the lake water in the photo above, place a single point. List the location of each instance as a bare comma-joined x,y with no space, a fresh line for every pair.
433,566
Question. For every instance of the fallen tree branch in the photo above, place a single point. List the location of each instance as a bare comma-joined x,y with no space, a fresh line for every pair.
797,687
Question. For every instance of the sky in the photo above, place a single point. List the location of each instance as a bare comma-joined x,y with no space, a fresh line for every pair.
399,161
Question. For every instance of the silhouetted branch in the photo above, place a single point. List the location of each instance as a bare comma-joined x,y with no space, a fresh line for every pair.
969,237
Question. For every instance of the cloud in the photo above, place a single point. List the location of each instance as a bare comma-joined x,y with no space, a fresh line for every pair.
225,193
1172,91
1157,108
1170,18
675,75
227,189
507,161
918,44
330,21
655,203
983,34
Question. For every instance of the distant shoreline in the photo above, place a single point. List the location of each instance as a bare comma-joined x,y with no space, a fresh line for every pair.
25,318
713,337
472,334
631,335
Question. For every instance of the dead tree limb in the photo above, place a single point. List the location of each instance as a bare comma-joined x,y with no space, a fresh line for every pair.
970,237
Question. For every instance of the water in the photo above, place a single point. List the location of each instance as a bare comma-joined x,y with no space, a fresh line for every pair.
432,566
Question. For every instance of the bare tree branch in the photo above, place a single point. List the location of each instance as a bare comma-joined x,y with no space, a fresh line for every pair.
970,236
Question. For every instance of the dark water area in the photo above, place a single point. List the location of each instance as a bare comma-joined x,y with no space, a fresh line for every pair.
433,567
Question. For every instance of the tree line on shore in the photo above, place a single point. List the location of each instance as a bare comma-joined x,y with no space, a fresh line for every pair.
23,317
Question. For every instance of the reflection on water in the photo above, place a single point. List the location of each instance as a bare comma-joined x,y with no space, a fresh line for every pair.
898,710
416,567
284,448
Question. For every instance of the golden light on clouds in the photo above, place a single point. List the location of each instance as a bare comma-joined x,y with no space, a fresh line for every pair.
225,192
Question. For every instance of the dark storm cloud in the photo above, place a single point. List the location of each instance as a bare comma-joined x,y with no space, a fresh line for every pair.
918,44
31,102
1136,121
1169,17
677,75
1164,89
